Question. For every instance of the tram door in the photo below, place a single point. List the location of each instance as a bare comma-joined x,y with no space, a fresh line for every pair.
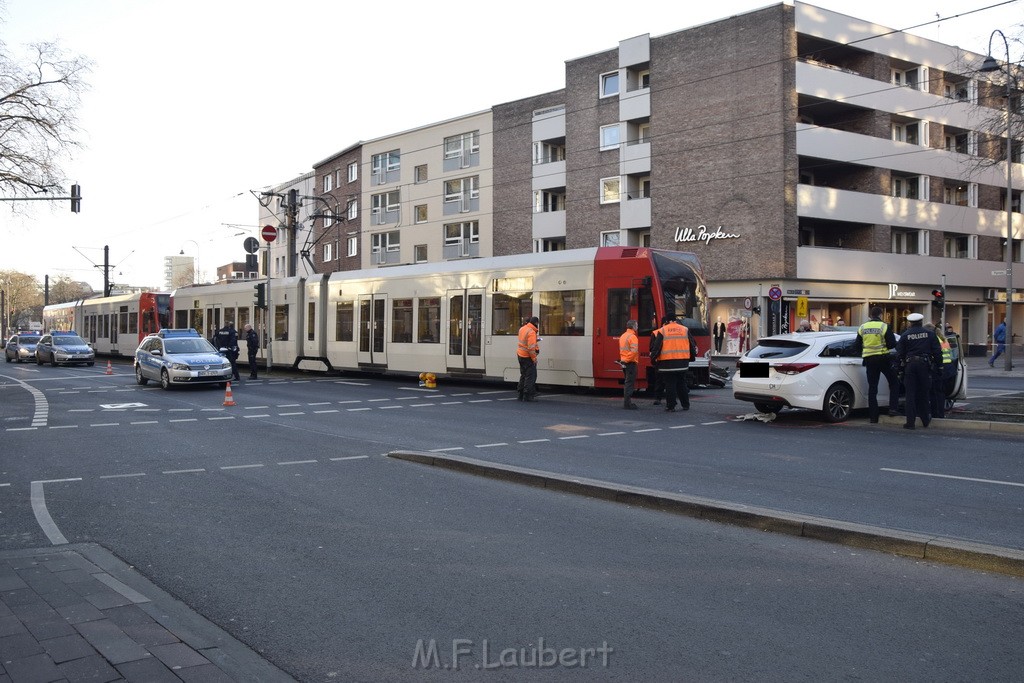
465,329
372,308
213,322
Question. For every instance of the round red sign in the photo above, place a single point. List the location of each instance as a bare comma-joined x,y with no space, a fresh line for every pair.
269,233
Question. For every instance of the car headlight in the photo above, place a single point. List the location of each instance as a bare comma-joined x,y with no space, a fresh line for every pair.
180,366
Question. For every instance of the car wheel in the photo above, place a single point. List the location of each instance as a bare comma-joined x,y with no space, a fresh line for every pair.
7,358
949,403
140,379
53,360
768,407
39,361
165,380
90,364
838,402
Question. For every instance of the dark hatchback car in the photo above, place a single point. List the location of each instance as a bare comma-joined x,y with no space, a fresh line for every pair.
64,348
21,347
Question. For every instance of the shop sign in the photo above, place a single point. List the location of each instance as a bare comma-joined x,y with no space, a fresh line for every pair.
702,234
896,293
798,292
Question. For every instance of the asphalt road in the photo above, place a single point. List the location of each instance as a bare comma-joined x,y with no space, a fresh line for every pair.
280,520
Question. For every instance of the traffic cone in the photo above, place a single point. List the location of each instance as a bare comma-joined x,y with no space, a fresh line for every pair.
228,399
110,368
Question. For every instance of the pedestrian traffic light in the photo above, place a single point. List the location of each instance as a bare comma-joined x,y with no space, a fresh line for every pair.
261,295
76,198
939,298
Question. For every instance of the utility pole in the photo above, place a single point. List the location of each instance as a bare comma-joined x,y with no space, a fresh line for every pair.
293,229
106,270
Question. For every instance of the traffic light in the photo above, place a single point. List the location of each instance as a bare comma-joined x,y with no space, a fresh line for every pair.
261,295
939,298
76,198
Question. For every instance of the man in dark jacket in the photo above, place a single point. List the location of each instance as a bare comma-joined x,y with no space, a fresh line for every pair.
227,339
919,351
252,341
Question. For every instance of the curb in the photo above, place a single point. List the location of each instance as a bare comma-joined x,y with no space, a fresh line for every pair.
908,544
946,424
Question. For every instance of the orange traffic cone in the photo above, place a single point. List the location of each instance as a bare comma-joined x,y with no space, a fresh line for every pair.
110,368
228,399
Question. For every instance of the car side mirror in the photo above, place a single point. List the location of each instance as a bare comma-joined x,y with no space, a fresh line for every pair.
157,352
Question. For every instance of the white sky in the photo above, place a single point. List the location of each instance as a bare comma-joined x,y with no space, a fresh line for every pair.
194,103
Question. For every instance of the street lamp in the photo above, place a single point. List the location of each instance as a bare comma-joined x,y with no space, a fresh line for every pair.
195,266
989,66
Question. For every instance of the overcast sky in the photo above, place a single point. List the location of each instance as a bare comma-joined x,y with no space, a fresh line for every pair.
193,104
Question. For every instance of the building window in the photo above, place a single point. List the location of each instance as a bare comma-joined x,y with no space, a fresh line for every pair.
610,238
910,187
547,152
545,201
462,190
420,253
382,242
352,211
420,213
383,204
383,164
611,190
913,133
420,174
910,242
353,171
960,246
644,78
328,182
643,132
610,84
328,254
462,145
609,137
353,245
961,194
462,235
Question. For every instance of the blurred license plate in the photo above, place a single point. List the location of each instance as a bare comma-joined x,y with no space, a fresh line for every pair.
754,370
211,373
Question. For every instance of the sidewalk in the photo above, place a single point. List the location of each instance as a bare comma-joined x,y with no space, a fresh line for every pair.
78,613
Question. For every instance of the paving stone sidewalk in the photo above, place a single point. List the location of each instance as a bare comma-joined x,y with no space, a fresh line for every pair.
78,613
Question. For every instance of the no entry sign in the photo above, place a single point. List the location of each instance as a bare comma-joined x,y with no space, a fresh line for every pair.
269,233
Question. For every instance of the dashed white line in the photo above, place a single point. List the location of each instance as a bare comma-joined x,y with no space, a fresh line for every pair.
145,422
351,457
123,476
491,445
241,467
289,414
195,471
112,424
248,417
534,440
650,429
64,427
222,417
574,436
185,419
951,476
680,426
611,433
442,450
297,462
717,422
355,410
322,412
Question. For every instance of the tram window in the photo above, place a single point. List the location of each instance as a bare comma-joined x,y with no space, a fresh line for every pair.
428,325
229,316
401,320
311,321
122,326
243,318
344,321
618,311
562,313
133,323
510,311
281,323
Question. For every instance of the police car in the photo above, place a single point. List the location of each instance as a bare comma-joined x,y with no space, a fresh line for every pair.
64,348
21,347
180,356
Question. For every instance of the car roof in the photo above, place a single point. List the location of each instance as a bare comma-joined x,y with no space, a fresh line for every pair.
170,332
63,333
808,337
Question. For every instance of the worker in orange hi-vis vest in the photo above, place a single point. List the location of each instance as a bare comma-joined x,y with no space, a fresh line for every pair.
672,350
629,357
527,352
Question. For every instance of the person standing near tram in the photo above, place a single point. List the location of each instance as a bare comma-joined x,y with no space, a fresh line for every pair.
527,352
671,349
629,358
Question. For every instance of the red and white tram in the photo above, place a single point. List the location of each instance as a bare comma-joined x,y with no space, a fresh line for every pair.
461,318
113,325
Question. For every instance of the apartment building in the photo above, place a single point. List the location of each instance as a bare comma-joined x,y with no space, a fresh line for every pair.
797,151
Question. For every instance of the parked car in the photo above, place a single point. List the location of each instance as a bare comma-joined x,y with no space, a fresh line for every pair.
180,356
64,348
817,371
21,347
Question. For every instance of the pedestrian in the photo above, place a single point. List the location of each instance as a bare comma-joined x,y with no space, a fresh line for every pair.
226,339
937,401
527,353
672,350
252,340
629,356
999,337
803,326
874,339
918,351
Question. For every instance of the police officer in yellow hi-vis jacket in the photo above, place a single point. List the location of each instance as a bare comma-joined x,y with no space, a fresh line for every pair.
874,339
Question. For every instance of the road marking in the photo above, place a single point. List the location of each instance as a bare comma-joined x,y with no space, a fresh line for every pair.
321,403
575,436
481,400
422,405
240,467
297,462
195,471
680,426
257,407
355,410
289,414
123,476
719,422
222,417
108,424
650,429
43,517
611,434
950,476
288,405
534,440
491,445
451,403
121,406
252,416
21,429
351,457
322,412
63,426
442,450
145,422
185,419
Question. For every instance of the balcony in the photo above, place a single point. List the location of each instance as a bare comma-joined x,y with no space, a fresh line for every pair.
635,213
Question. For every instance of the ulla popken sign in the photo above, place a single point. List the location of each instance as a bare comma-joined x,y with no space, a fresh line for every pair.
702,234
